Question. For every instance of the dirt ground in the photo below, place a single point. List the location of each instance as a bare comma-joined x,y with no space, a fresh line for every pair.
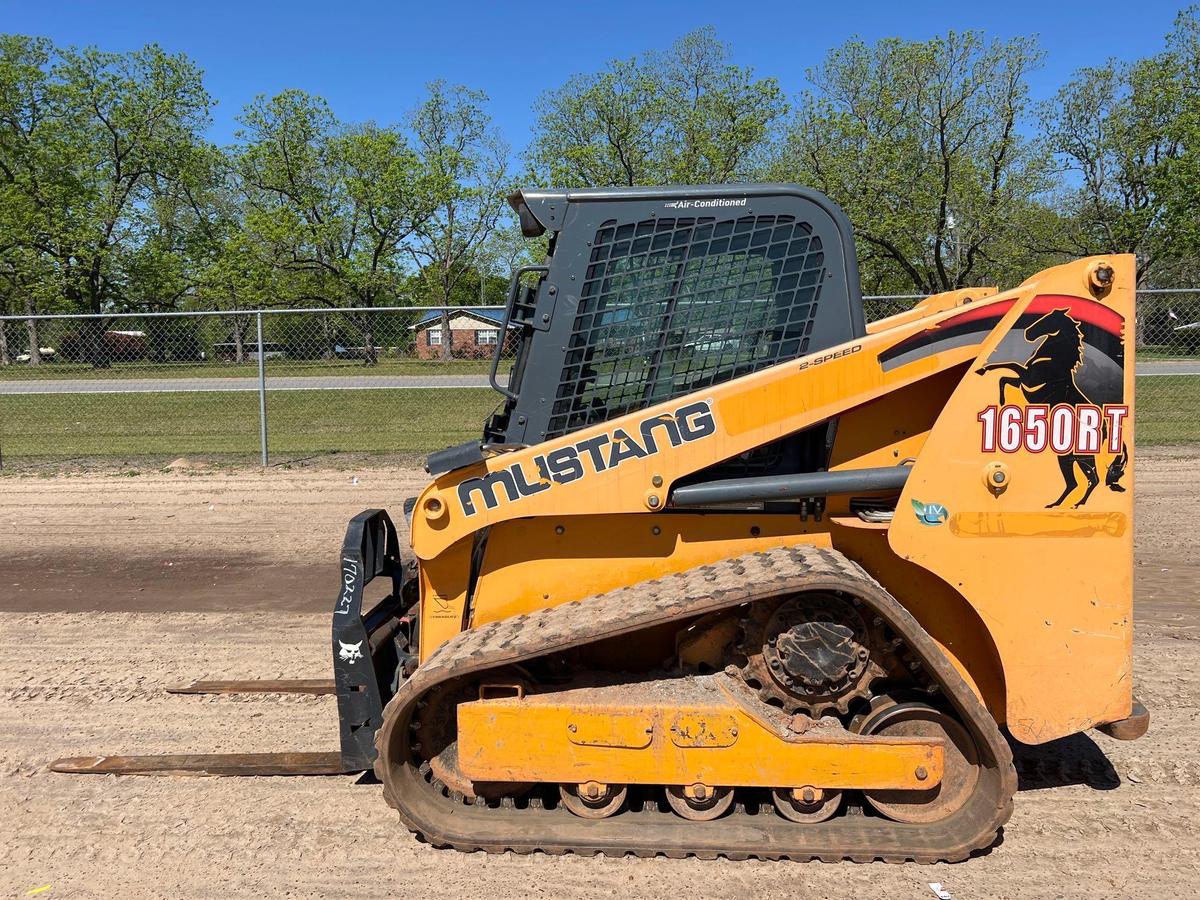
115,586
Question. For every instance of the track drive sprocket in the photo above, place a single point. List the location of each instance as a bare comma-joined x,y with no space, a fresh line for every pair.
815,652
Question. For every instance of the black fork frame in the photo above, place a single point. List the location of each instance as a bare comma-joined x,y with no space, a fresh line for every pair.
365,677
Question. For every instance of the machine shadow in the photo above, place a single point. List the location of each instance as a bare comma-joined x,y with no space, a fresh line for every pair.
1076,759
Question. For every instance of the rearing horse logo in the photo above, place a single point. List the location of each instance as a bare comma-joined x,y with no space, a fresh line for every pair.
1048,377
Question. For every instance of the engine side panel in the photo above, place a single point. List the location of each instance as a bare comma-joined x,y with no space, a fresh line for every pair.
1022,498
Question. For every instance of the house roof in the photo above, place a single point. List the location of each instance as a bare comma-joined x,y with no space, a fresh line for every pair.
485,315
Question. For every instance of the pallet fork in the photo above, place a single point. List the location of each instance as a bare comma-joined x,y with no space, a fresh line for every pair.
369,645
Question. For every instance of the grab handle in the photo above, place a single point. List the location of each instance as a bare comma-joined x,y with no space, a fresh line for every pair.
513,288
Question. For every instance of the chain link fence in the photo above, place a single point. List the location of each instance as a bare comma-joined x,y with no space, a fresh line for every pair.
279,385
1168,360
272,384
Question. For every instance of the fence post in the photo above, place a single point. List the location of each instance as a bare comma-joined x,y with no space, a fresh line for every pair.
262,392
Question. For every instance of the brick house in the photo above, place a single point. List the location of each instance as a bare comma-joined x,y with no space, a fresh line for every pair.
473,333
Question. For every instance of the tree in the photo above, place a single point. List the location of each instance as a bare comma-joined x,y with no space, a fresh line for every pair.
24,107
288,211
392,197
88,140
467,164
920,143
178,231
25,282
1111,127
1180,181
231,270
687,115
476,288
331,205
21,290
14,272
1128,134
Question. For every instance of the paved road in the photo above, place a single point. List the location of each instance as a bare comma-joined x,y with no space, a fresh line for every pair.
349,382
1169,367
282,383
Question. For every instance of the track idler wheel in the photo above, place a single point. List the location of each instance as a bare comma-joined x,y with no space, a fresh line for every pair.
592,800
961,771
436,730
806,805
699,802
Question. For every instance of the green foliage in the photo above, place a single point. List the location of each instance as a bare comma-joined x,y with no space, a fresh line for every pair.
686,116
920,142
466,160
92,145
1179,184
111,198
327,207
1127,133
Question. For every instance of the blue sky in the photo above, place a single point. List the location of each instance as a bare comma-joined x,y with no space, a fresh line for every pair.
371,60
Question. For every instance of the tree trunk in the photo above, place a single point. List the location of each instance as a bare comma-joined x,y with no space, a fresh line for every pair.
365,323
35,351
239,343
370,357
94,350
328,350
5,359
31,329
447,351
97,352
447,263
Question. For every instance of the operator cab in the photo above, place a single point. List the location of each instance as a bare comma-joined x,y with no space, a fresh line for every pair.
648,294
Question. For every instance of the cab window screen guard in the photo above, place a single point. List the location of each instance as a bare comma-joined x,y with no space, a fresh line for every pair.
672,305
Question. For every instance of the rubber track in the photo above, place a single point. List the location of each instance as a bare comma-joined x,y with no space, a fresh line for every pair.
446,819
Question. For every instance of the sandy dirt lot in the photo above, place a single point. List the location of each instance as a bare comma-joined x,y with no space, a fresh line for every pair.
114,587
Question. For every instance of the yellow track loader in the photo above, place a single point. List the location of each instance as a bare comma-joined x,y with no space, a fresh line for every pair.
734,572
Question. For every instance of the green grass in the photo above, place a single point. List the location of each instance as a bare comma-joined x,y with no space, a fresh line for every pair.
101,425
275,367
324,368
1168,410
417,421
1166,353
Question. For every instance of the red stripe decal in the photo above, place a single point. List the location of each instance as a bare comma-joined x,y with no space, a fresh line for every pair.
987,311
1082,309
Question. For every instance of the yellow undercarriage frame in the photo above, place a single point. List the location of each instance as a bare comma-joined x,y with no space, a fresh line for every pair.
585,735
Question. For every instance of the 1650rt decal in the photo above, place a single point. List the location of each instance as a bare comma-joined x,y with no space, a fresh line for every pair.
1057,415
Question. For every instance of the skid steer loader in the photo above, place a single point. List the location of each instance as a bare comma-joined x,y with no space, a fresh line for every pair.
735,572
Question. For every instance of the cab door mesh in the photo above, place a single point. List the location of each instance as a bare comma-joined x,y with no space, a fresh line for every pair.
670,305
